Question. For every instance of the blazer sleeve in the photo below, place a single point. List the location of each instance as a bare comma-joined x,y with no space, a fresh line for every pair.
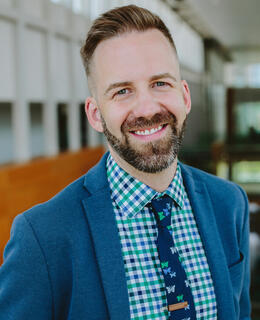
245,306
25,287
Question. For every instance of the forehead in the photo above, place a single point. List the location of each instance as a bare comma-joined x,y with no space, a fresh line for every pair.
132,56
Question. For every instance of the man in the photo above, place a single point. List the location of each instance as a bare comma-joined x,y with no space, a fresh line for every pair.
95,250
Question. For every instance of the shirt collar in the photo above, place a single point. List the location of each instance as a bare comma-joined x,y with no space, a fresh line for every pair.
132,195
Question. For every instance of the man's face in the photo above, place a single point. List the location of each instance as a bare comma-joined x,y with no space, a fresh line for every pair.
140,102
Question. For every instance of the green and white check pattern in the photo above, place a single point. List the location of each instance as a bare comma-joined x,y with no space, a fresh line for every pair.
138,233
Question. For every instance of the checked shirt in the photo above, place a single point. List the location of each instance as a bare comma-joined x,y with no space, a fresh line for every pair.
138,233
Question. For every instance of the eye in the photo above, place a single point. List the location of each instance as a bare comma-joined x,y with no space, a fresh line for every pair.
160,83
122,91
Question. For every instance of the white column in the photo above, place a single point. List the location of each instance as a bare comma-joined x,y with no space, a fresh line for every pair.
50,123
50,118
20,112
86,7
73,106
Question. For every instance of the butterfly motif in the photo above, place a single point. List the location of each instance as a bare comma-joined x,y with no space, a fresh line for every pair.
164,264
168,206
172,274
171,289
170,230
187,283
161,215
180,297
166,212
166,271
173,250
187,308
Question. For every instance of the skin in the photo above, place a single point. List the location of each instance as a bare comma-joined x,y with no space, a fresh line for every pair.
136,76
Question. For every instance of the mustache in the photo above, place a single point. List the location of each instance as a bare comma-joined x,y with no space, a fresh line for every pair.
157,119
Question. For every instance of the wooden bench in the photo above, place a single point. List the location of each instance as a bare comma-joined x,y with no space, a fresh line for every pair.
24,185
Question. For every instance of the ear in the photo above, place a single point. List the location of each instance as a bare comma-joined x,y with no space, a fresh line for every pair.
186,96
93,114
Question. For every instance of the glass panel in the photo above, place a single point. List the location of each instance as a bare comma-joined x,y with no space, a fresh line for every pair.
6,135
247,121
254,75
36,129
246,172
63,126
77,6
83,126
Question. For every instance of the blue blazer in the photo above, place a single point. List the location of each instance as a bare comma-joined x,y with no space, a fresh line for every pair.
64,260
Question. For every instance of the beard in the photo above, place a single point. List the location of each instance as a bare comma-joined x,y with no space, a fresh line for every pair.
149,157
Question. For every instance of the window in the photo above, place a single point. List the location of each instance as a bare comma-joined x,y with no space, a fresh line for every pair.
36,129
6,136
63,126
83,126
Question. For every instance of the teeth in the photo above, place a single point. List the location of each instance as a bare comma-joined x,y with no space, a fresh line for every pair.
147,132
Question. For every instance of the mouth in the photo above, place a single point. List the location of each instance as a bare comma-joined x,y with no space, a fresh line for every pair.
148,132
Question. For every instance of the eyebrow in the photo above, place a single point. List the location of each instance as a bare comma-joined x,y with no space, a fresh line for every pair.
118,85
163,75
129,83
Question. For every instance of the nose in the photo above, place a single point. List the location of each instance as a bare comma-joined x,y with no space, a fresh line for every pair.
146,105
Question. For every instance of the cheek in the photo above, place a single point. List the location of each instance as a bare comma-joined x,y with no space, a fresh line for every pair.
175,105
114,121
116,115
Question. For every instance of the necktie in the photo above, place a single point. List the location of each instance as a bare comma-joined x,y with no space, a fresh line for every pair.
178,291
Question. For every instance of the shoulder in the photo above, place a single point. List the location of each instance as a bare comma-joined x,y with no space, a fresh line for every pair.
217,187
51,227
66,205
63,204
45,242
64,214
226,200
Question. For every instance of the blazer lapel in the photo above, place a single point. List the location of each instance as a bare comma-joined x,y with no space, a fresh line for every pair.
205,218
101,219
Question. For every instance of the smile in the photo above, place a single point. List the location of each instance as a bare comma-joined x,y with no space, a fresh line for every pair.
148,132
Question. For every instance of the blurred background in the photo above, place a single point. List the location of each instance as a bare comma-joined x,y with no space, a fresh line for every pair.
45,140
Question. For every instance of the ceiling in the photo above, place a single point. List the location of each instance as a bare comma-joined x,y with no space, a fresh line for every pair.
234,23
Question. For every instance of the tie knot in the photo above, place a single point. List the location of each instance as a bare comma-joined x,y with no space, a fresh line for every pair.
162,209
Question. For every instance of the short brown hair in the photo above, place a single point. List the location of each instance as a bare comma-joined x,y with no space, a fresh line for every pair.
118,21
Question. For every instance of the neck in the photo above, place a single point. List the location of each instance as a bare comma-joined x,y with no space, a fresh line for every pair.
158,181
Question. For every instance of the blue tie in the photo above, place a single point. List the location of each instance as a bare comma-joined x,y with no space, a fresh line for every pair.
178,291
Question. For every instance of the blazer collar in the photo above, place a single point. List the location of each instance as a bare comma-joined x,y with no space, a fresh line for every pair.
102,223
205,217
96,177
